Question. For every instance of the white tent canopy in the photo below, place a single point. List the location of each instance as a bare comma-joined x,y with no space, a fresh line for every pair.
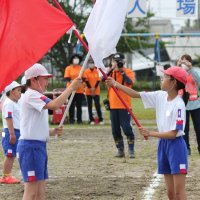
139,62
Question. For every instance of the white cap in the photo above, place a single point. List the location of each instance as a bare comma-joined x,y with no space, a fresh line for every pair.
23,81
12,86
37,70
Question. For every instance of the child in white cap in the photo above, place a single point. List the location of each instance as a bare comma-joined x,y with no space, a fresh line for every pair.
170,116
11,130
35,129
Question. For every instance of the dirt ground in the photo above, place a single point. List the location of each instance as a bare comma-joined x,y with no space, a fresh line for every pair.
82,166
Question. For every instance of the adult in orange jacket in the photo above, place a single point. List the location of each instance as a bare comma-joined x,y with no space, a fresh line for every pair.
92,91
119,115
71,72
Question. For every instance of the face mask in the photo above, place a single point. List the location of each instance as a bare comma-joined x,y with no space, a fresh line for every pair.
185,67
91,65
75,61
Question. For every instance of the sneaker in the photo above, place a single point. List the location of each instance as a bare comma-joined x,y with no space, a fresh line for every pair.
101,122
92,123
9,180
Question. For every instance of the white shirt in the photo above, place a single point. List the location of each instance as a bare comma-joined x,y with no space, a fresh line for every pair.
11,110
34,119
170,115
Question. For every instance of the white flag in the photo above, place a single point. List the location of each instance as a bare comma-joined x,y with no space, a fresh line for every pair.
104,27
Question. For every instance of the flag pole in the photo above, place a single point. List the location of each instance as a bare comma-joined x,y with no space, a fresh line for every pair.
58,6
73,93
103,73
122,100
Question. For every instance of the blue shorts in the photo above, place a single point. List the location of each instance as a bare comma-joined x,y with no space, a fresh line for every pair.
172,156
32,157
9,149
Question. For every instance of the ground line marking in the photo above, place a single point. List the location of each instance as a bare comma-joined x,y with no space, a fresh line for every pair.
154,183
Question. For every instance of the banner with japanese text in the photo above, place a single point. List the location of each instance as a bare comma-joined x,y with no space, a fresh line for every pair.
187,8
137,8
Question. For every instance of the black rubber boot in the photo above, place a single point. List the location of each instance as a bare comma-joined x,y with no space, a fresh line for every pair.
131,148
120,148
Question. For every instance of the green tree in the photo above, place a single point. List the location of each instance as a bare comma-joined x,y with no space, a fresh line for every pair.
141,25
78,11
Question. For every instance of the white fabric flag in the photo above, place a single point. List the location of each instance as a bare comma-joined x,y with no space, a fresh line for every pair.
104,27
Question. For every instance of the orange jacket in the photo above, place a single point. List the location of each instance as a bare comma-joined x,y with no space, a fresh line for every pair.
72,72
92,77
115,102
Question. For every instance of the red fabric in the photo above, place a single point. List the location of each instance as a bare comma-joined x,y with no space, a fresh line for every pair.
191,88
28,29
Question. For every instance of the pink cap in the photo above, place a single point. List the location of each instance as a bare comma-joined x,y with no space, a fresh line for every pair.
178,73
37,70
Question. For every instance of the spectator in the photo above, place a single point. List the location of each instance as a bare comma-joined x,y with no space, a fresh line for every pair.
119,115
92,91
193,105
71,72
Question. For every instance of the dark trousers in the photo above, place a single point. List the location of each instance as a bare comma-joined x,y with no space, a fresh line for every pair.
96,99
77,101
195,114
120,118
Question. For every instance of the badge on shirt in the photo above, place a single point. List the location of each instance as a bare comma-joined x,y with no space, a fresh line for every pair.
9,114
167,113
45,99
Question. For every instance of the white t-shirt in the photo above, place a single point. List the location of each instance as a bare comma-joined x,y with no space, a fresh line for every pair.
34,119
11,110
170,115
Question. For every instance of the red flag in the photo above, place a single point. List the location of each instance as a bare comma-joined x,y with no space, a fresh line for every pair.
28,29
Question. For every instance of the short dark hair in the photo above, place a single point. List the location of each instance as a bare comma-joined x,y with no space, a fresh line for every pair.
28,83
74,56
187,57
8,93
118,56
166,66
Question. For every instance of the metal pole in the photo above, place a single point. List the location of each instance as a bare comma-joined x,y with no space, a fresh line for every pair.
160,34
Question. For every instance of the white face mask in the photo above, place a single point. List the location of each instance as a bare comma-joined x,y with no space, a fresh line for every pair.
91,65
75,61
185,67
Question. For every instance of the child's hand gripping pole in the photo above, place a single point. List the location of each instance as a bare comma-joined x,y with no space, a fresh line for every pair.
125,104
